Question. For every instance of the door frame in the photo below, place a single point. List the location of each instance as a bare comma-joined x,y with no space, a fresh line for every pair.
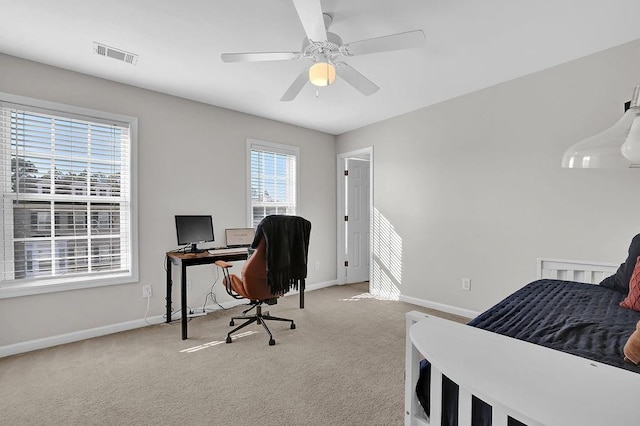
341,158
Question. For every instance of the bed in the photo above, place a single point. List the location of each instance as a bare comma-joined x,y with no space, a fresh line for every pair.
549,354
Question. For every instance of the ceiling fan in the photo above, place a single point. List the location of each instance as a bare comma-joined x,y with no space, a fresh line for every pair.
324,48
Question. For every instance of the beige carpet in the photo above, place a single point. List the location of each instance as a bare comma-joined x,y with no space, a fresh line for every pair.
343,365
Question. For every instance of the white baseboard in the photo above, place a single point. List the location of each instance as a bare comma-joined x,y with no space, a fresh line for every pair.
440,307
61,339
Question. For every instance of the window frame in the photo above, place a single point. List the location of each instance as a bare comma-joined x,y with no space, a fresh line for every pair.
25,287
276,148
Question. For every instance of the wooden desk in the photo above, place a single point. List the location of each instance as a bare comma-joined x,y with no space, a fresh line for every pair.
191,259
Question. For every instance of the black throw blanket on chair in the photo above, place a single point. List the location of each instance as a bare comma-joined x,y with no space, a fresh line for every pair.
287,239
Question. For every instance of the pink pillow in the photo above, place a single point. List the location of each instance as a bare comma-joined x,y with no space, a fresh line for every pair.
632,301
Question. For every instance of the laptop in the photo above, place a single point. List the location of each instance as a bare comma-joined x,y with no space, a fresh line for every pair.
239,237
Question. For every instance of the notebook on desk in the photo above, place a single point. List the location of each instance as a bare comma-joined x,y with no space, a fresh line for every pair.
239,237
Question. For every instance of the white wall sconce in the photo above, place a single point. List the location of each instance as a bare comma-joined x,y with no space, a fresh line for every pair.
616,147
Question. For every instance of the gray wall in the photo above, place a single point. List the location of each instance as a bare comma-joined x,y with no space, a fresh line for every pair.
468,188
191,159
473,187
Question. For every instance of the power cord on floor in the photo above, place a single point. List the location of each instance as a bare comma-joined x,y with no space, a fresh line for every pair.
212,294
190,310
176,315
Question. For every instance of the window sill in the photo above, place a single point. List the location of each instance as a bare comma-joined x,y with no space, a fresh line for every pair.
31,288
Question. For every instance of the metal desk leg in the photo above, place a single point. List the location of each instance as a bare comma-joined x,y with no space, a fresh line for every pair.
168,294
183,300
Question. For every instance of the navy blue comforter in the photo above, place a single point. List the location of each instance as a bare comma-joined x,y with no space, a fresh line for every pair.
581,319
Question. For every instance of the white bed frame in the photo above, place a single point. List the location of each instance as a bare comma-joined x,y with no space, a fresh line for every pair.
531,383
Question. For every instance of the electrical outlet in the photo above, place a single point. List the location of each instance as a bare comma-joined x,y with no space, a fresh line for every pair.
466,284
146,291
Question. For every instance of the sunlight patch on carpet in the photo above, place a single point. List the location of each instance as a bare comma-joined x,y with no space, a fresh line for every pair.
216,342
364,296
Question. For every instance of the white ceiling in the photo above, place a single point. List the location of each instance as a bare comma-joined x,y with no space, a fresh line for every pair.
470,45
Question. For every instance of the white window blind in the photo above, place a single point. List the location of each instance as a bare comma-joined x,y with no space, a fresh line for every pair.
66,196
273,180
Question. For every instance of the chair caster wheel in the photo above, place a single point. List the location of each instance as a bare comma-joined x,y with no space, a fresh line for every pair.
229,339
272,342
231,323
293,326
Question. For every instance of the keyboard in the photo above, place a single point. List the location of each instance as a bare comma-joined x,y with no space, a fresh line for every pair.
236,250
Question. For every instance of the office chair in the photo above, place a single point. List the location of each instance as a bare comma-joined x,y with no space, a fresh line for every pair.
278,263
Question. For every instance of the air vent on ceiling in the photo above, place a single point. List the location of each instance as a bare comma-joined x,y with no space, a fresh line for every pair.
112,52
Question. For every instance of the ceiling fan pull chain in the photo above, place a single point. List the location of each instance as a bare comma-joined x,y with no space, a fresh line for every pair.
317,93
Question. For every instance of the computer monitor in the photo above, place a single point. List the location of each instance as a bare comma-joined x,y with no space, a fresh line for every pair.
194,229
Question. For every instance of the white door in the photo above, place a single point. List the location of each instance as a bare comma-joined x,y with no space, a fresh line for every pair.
357,220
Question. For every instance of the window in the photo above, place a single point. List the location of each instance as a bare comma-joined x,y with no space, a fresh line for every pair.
273,178
66,183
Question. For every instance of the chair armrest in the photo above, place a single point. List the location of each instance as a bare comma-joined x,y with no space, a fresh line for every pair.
223,264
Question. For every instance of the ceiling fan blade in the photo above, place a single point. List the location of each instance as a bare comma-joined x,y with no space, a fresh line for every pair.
357,80
260,56
388,43
310,14
296,86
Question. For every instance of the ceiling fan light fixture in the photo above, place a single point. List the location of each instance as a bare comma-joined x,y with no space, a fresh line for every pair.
324,49
322,74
